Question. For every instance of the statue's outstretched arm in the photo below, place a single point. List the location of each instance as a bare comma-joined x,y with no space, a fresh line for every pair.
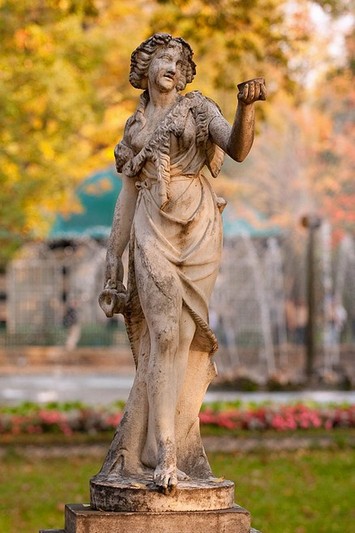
237,140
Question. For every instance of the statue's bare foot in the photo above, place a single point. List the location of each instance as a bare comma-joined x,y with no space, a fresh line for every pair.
165,478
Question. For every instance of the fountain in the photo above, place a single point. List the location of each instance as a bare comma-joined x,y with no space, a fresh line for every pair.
247,293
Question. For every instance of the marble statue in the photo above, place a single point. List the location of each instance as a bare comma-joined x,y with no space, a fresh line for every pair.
169,214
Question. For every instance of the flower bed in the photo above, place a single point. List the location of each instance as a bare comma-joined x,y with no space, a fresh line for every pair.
68,419
281,417
58,418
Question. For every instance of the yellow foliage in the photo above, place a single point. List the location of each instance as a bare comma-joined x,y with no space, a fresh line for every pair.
66,97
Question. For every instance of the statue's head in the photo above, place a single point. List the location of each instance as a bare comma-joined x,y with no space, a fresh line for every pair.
142,56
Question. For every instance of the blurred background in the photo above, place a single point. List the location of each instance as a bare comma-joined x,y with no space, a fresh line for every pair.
279,420
284,304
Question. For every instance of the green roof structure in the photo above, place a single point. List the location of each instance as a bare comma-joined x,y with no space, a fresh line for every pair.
255,225
97,196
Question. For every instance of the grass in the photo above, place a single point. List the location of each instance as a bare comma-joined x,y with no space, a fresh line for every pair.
300,492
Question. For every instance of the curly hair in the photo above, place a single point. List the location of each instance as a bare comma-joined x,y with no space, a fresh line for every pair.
142,56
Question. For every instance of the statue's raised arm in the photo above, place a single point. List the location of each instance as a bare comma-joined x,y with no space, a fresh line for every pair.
237,140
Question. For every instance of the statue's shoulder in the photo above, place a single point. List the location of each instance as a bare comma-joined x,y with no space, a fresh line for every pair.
138,114
198,99
202,105
130,121
204,109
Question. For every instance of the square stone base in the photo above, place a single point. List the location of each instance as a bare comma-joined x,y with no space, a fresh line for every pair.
82,519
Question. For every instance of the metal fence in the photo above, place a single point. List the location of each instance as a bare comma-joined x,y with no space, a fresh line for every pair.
258,305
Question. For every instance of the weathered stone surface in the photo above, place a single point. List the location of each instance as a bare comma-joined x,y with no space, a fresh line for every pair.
169,214
81,519
139,494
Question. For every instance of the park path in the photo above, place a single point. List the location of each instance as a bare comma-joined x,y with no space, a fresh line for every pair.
98,387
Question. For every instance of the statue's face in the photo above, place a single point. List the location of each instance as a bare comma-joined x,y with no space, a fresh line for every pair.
165,69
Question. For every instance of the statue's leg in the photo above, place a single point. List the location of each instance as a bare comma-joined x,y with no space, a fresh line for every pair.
171,330
166,372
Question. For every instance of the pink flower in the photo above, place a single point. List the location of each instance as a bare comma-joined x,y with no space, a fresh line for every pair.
114,419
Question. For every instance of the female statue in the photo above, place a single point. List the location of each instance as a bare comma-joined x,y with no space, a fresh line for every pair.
171,217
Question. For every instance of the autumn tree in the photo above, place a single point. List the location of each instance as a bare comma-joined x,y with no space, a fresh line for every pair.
60,70
65,94
333,170
303,159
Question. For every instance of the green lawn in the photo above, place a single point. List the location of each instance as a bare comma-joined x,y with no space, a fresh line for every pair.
300,492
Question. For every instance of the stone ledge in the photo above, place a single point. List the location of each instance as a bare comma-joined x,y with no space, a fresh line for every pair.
82,519
140,494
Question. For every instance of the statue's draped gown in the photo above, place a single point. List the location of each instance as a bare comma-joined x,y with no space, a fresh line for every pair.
176,236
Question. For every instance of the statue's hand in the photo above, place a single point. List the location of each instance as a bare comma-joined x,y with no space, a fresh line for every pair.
252,90
113,301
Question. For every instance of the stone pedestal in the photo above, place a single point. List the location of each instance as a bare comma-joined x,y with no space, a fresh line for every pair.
132,506
82,519
135,505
